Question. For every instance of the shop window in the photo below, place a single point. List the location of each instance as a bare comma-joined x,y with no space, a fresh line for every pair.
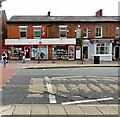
60,52
63,31
36,50
98,32
23,31
85,32
15,52
117,32
37,31
102,48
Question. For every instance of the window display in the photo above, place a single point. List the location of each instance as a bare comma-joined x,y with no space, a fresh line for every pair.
15,52
36,50
61,52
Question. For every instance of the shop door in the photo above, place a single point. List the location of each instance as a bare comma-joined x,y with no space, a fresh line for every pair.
117,52
27,53
71,53
85,52
78,52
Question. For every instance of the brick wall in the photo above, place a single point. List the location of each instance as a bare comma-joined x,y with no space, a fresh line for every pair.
52,30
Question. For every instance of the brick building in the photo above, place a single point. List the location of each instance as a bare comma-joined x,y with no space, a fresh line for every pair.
58,37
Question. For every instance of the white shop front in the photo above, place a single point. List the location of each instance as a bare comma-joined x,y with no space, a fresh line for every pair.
102,48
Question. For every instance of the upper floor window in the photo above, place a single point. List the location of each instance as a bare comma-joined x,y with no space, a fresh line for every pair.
98,32
78,32
37,31
117,32
63,31
85,32
23,31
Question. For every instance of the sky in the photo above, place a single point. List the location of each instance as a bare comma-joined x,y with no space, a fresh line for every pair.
60,7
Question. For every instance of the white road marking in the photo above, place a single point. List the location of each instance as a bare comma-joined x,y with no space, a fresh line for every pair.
0,89
43,69
86,101
85,77
69,77
52,98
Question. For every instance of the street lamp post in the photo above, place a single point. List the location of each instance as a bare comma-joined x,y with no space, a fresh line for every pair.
81,44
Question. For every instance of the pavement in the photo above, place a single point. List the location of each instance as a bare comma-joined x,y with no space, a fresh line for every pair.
32,110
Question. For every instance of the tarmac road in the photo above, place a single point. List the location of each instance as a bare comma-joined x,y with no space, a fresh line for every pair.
86,71
43,86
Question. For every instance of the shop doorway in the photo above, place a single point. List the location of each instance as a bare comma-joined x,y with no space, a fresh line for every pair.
27,53
78,52
85,52
117,51
71,53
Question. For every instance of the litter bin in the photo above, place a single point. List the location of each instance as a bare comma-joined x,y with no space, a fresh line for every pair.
96,59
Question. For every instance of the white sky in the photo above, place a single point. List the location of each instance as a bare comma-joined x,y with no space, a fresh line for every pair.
60,7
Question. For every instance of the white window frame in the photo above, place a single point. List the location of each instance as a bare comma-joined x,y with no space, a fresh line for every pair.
106,47
117,32
63,26
85,32
37,31
98,32
20,30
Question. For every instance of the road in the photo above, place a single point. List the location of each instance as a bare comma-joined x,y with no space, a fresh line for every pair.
91,71
66,86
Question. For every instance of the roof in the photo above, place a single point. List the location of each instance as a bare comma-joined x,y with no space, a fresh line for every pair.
63,19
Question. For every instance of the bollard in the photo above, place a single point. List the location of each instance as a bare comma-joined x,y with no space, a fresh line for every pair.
38,59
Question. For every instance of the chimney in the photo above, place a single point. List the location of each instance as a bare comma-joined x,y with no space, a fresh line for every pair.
99,13
48,13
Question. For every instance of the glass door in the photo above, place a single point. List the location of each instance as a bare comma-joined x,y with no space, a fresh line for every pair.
27,52
71,53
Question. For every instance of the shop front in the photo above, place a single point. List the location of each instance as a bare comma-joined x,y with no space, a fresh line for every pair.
102,48
58,49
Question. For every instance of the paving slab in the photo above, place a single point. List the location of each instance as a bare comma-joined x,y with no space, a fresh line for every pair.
115,107
8,110
41,109
56,109
73,110
107,110
90,110
22,109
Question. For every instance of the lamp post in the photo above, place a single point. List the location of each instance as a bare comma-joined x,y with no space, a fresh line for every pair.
81,44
